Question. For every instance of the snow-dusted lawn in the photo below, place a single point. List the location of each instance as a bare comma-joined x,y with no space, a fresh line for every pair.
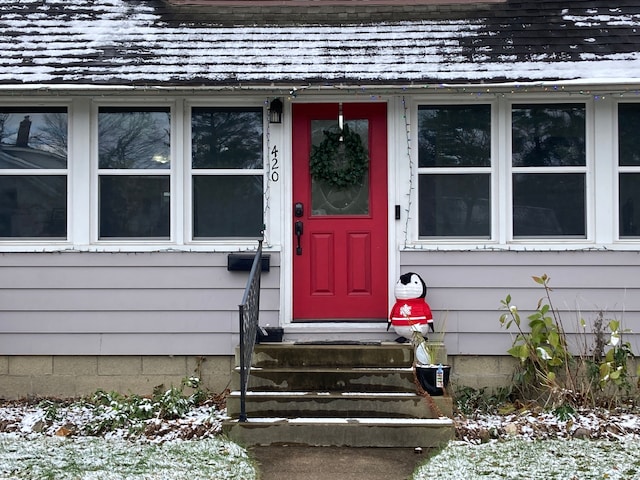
69,441
588,444
535,459
86,458
38,441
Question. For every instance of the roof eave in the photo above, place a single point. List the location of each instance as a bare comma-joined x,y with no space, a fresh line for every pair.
293,88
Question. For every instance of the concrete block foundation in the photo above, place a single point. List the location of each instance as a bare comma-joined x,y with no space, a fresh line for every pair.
76,376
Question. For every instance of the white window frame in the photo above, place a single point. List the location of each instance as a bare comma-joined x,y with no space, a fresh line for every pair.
96,172
189,172
621,169
587,170
20,244
501,178
82,175
490,170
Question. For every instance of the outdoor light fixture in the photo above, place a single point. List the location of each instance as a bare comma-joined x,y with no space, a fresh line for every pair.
275,111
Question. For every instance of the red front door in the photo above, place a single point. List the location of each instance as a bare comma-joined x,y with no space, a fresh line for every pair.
340,231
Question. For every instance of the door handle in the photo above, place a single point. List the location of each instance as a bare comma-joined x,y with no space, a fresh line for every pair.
298,230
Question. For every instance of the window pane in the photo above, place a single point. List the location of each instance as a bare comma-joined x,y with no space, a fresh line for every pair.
226,137
629,197
548,135
33,206
227,206
134,206
134,137
455,205
454,136
33,138
548,204
327,199
628,138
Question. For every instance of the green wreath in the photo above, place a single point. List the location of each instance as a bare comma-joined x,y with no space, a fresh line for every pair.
340,160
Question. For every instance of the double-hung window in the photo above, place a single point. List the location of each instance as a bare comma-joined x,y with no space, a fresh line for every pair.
549,169
134,173
629,170
547,164
454,171
33,173
227,172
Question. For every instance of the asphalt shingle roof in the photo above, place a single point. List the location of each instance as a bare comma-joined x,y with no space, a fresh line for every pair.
150,42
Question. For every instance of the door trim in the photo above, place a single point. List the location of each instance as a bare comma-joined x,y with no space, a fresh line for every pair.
328,329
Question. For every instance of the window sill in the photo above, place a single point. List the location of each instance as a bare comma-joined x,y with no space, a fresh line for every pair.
523,247
225,247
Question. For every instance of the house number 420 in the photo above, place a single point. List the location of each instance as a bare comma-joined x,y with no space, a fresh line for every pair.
275,175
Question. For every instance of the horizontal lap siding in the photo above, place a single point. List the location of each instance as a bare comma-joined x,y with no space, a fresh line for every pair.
465,289
161,303
187,303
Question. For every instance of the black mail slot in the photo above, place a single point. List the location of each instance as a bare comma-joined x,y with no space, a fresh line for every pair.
241,262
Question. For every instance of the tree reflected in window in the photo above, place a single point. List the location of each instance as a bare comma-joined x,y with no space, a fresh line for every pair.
549,170
33,202
227,172
134,204
454,136
454,188
137,138
227,137
548,135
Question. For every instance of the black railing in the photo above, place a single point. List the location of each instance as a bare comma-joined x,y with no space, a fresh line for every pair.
249,313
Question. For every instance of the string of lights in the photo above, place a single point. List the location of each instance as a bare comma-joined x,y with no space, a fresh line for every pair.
407,124
596,88
267,183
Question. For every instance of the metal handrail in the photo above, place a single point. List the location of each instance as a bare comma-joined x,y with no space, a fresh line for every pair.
249,312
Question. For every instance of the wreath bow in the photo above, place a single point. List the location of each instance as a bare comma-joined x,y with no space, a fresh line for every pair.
340,160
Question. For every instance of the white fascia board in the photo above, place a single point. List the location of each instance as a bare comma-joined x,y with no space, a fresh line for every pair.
423,87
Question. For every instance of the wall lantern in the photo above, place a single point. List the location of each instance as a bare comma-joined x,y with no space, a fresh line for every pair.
275,111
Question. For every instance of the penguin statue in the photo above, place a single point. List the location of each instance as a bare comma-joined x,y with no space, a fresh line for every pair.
411,313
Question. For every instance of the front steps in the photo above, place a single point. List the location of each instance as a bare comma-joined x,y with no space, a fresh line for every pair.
337,395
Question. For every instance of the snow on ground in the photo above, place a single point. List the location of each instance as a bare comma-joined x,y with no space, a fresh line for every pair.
31,419
589,444
75,441
542,425
53,440
87,458
35,419
521,459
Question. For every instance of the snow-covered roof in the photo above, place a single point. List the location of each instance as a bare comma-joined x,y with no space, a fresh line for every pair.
152,43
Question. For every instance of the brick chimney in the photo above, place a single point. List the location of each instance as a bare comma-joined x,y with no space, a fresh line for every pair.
23,132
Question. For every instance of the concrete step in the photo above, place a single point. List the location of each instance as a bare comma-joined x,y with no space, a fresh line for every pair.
347,431
335,379
343,404
337,395
384,354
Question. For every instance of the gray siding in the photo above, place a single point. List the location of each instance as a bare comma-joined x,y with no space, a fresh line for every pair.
465,289
186,303
161,303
